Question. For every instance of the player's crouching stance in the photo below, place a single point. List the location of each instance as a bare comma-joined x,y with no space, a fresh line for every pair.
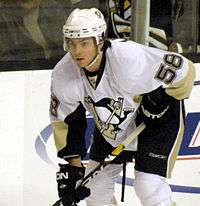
107,78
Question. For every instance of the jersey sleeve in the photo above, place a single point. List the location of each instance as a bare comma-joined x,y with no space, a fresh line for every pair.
140,69
68,118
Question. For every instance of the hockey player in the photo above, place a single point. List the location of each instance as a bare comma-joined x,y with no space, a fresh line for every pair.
108,79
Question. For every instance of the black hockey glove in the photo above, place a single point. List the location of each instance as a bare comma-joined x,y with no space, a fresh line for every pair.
154,107
67,178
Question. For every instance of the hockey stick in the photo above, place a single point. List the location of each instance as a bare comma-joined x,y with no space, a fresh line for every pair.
110,157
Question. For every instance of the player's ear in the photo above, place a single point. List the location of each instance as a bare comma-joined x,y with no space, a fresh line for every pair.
104,43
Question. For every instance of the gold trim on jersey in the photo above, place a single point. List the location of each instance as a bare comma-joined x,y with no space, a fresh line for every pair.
182,89
60,130
174,152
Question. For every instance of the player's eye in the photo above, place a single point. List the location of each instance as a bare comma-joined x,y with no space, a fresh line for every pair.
70,44
84,43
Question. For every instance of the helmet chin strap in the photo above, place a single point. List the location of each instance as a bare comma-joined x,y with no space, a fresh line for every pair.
95,60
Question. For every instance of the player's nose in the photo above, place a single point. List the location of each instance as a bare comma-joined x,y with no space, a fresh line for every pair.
77,51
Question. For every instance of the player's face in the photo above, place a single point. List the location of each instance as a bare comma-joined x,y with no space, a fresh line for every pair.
83,50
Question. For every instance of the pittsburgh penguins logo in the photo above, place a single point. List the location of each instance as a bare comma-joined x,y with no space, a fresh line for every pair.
108,114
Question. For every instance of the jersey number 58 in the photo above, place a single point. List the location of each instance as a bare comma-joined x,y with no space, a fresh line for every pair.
167,70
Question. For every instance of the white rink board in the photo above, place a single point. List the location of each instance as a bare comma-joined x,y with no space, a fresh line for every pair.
27,180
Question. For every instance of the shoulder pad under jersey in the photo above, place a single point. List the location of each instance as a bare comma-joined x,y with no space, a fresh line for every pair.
134,66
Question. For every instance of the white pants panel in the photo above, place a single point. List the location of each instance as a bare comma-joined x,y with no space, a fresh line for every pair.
152,190
102,185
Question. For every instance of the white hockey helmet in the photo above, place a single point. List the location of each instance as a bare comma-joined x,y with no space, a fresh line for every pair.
83,23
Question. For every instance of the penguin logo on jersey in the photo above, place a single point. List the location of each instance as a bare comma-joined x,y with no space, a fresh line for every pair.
108,114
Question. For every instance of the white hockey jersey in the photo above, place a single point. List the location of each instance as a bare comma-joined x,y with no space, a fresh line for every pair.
130,69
